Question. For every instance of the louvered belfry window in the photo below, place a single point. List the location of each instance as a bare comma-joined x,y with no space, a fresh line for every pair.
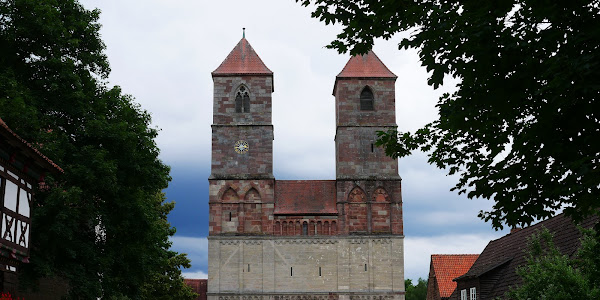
366,99
242,100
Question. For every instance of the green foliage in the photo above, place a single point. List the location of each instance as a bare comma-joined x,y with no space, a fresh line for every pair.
416,292
550,275
103,224
523,126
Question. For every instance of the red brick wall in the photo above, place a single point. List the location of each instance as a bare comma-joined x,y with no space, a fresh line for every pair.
370,206
199,286
316,225
250,203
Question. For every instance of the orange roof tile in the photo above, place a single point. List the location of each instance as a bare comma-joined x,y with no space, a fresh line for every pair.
449,266
25,145
367,66
305,197
242,60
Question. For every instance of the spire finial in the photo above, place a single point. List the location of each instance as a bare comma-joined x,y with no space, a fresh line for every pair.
244,32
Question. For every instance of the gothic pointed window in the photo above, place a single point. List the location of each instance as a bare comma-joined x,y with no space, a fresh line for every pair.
366,99
242,100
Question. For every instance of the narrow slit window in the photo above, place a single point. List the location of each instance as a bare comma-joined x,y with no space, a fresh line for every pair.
372,148
229,216
319,271
365,267
248,268
291,271
366,99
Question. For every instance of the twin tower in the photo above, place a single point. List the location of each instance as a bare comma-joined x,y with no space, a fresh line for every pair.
303,239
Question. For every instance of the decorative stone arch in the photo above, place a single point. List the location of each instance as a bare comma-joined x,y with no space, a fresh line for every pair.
357,195
304,228
225,189
334,228
230,195
380,212
277,230
252,211
252,194
358,212
230,217
298,228
367,98
241,98
380,195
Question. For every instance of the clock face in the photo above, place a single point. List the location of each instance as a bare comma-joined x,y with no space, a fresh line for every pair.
241,147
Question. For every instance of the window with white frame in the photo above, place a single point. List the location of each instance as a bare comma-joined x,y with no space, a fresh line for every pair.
15,198
473,293
463,295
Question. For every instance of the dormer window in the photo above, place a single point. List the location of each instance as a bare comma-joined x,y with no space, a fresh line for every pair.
366,99
242,100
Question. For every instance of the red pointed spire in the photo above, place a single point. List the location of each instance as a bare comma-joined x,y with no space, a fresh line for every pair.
242,60
366,66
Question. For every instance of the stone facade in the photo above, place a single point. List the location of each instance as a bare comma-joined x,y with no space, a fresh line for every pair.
269,267
302,239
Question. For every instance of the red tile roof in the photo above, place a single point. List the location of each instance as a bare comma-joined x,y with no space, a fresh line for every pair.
366,66
242,60
448,267
33,152
305,197
504,255
199,286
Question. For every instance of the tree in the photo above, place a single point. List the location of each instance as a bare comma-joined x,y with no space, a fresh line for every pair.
416,292
523,127
101,226
549,274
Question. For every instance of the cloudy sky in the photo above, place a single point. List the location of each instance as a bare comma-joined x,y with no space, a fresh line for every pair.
162,53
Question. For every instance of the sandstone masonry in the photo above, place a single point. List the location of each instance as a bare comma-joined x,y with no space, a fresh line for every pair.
303,239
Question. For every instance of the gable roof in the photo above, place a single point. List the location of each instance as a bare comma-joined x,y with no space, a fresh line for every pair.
449,266
365,66
242,60
305,197
27,148
505,254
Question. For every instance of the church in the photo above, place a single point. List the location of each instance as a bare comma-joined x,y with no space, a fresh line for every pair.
303,239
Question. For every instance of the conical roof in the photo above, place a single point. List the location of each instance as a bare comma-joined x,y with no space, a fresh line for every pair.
366,66
242,60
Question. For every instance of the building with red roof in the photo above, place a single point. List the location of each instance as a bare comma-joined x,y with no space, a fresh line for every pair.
22,169
443,269
198,286
289,239
494,271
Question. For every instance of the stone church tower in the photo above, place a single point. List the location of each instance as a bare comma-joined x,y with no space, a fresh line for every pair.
303,239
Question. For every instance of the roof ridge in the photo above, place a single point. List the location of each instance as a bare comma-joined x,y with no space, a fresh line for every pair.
242,60
367,66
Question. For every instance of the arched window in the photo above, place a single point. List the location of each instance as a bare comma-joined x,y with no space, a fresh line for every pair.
366,99
242,100
304,228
